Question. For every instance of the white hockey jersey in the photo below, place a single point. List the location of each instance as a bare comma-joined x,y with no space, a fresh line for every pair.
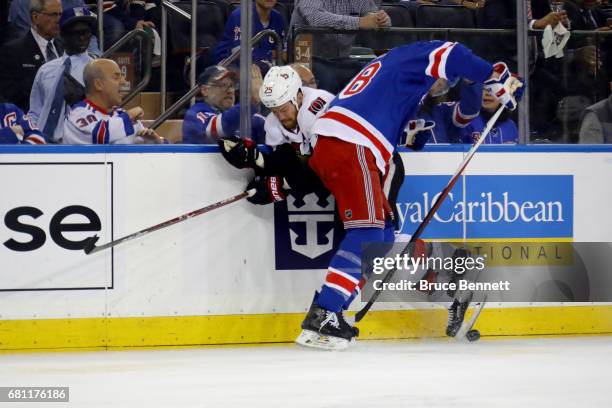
313,104
90,124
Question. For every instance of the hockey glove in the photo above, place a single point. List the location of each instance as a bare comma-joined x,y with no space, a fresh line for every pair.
241,153
267,190
507,88
416,133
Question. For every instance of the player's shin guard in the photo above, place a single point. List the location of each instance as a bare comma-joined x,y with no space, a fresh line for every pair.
344,271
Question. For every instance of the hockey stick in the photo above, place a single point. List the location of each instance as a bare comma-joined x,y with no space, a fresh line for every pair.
360,314
90,244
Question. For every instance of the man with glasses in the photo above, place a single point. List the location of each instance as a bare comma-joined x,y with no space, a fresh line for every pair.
55,78
217,115
20,19
22,57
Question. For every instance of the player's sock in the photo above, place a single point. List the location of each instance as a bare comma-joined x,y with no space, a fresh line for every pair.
389,232
344,271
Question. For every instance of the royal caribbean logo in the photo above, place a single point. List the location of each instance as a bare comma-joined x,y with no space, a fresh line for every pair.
525,206
305,233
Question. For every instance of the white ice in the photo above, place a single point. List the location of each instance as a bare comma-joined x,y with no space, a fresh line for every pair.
532,372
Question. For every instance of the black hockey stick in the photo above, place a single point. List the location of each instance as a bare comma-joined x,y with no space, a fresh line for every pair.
360,314
90,244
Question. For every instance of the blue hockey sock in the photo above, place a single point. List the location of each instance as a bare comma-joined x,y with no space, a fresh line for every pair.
344,269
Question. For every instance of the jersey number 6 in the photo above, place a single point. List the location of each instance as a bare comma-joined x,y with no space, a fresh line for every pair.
361,81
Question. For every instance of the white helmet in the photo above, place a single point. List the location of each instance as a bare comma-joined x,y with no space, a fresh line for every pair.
280,86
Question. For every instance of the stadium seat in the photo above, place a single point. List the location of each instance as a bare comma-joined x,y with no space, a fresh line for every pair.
434,16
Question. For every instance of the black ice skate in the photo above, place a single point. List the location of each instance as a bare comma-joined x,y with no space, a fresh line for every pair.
325,329
456,314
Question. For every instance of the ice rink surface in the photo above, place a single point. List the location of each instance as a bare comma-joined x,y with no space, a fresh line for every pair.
521,372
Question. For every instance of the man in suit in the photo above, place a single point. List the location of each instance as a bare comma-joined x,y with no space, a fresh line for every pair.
22,57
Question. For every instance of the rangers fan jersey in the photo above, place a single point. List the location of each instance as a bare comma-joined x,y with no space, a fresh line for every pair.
374,108
204,125
313,105
503,132
11,115
90,124
451,118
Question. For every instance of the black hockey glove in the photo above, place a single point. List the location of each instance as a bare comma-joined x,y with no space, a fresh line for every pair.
267,190
241,153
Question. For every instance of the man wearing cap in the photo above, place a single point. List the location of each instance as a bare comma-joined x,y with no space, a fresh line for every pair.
47,106
22,57
217,116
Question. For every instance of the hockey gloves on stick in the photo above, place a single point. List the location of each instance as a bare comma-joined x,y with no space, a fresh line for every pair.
241,153
507,88
268,190
416,133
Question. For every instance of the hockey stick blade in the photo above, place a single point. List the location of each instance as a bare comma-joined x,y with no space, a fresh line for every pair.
417,234
91,248
90,244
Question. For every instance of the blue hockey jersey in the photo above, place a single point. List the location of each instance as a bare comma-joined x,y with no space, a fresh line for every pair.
502,132
374,108
11,115
231,36
451,118
204,125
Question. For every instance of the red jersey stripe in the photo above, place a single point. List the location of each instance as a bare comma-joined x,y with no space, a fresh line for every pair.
352,123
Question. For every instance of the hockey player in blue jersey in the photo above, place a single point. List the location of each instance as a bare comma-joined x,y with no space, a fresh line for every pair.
15,128
356,138
217,117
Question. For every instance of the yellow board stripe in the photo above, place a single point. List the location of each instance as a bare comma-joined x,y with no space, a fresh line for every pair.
102,333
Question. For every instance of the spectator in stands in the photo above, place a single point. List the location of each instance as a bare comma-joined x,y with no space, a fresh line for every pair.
305,74
20,19
96,120
64,74
596,126
15,128
218,115
22,57
503,132
127,15
264,17
331,52
585,15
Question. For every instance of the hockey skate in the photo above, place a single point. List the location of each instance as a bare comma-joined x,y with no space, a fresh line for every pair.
325,329
456,314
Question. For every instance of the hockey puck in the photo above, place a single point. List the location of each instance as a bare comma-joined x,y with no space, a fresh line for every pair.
472,335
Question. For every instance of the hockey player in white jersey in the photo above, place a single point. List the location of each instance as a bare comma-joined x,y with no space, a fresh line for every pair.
96,120
294,109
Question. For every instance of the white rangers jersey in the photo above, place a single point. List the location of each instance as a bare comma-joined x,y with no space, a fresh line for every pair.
90,124
313,104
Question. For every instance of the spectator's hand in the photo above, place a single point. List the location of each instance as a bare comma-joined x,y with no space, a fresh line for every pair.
135,113
256,81
150,136
18,130
368,22
141,24
551,19
383,19
474,5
